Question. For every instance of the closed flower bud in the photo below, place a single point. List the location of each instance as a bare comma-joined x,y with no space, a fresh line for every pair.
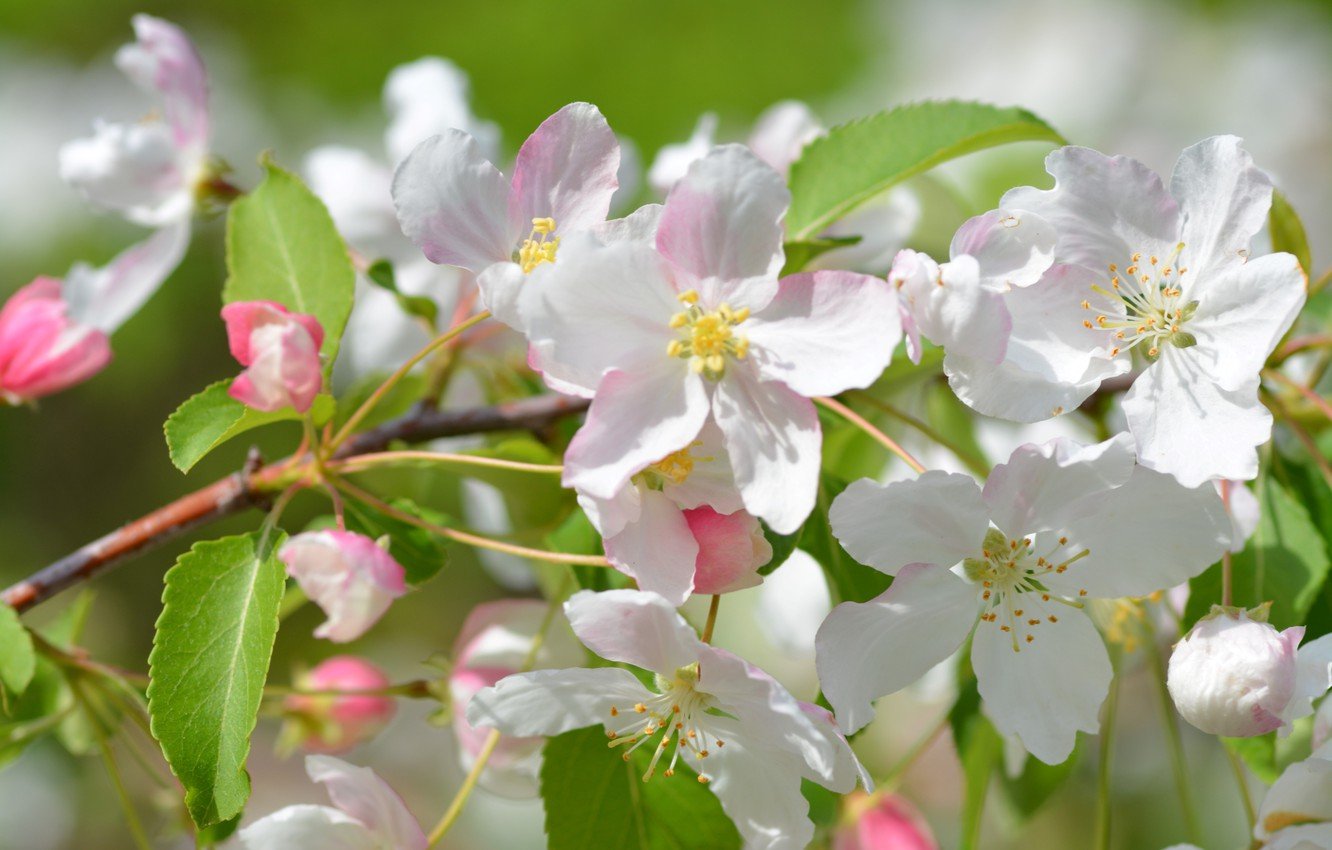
883,822
330,723
280,351
1233,675
731,548
348,575
42,351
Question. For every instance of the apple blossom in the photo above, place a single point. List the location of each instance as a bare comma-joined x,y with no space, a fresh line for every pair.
42,351
280,351
1237,676
679,527
1057,524
151,171
1165,273
461,211
883,822
422,98
778,137
1296,814
701,327
348,575
328,723
747,738
496,641
369,815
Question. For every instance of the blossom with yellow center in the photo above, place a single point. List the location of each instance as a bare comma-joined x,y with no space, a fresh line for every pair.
708,337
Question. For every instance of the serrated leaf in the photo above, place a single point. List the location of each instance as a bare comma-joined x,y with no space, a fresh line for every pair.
18,660
208,666
211,417
593,798
282,246
1285,562
1288,231
856,161
848,579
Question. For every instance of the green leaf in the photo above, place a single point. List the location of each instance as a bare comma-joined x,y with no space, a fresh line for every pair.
208,665
802,253
421,553
849,580
381,274
1288,231
210,417
18,660
282,246
533,499
782,547
593,798
1259,753
1285,562
577,536
979,748
859,160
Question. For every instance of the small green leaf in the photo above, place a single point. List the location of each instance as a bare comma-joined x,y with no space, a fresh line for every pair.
1259,753
1285,562
421,553
802,253
782,547
18,660
211,417
859,160
848,580
282,246
593,798
1288,231
208,666
381,274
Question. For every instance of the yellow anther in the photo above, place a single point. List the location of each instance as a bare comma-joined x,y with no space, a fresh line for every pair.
543,225
640,708
689,296
675,468
538,248
615,712
674,347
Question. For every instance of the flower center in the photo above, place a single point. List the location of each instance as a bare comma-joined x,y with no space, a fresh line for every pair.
679,711
539,248
1009,573
707,338
1151,299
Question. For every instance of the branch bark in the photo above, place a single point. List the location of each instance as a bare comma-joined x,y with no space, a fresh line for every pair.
252,486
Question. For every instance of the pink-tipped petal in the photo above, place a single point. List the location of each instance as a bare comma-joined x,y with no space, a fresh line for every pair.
731,548
566,171
347,575
164,61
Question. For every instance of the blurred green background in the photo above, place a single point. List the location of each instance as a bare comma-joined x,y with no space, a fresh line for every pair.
1144,79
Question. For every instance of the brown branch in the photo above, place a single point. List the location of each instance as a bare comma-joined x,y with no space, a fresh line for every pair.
252,486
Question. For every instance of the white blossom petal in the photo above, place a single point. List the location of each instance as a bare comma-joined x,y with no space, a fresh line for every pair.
1012,248
566,170
634,627
551,702
1301,794
1041,487
361,793
106,298
1223,202
427,97
937,518
657,550
1048,690
868,649
308,827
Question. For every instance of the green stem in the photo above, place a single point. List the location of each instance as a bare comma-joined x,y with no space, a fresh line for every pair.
865,425
416,689
112,769
918,749
1177,762
1103,808
392,380
1242,782
712,618
362,462
973,462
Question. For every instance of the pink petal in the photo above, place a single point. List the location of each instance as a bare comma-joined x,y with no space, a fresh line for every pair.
164,61
242,318
565,171
731,548
361,793
657,549
41,350
347,575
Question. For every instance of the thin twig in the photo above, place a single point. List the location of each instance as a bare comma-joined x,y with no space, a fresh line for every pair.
251,487
864,424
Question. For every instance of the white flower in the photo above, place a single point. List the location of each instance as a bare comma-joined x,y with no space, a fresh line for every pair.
369,815
745,735
701,327
1056,524
422,98
1235,676
1297,812
1166,274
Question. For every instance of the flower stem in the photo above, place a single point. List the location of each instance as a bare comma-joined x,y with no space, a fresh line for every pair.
918,749
973,462
468,538
1177,761
1227,570
392,380
1242,782
363,462
863,424
415,689
1324,406
1103,808
712,618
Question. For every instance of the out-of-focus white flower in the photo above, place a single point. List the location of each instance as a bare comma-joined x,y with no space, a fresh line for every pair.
793,602
1297,812
1236,676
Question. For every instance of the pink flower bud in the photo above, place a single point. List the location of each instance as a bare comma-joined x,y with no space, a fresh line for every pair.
333,724
1234,676
883,822
346,574
731,548
281,352
41,350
